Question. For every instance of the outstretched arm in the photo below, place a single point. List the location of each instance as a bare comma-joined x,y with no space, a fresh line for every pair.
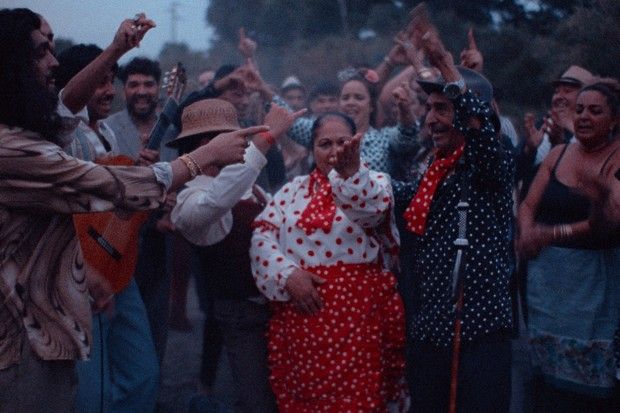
81,87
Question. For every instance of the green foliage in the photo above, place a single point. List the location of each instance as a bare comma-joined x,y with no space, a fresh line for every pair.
524,47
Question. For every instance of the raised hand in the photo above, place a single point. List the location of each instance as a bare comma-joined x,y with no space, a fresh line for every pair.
402,96
555,123
300,285
131,32
563,117
347,158
419,24
280,120
437,54
232,81
254,82
471,57
398,53
434,49
243,78
533,136
247,47
251,78
412,54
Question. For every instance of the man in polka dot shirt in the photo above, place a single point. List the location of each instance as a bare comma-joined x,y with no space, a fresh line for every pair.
468,153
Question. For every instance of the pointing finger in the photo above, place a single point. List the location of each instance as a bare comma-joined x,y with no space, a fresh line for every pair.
471,40
253,130
299,113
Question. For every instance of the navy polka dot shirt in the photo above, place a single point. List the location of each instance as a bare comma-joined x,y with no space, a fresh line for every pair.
487,303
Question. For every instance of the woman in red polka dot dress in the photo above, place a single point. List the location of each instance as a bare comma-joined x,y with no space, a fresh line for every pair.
319,252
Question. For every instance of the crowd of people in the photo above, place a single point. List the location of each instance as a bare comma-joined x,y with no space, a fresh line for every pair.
370,247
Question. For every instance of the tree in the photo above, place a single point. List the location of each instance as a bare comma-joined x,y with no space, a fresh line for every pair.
526,44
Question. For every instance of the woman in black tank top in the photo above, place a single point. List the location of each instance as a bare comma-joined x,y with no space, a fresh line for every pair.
573,290
557,207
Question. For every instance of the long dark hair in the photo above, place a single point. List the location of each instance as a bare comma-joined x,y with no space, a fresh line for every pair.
25,102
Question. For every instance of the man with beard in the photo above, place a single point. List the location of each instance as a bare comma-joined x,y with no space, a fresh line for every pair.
45,314
132,127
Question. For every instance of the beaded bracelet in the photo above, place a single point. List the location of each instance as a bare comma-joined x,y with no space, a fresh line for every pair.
190,164
191,158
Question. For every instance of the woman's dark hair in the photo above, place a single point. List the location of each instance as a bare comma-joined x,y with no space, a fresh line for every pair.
141,66
321,120
612,96
372,93
613,100
72,60
25,102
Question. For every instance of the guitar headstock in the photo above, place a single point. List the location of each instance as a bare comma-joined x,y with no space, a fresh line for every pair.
174,82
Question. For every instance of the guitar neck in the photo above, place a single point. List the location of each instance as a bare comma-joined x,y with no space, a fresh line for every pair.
166,118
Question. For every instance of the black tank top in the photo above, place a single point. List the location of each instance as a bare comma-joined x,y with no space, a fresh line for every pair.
561,204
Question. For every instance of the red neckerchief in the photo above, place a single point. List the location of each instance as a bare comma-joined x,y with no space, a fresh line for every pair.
321,209
416,213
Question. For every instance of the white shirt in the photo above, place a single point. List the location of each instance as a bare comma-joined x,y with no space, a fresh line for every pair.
202,213
80,141
93,148
363,202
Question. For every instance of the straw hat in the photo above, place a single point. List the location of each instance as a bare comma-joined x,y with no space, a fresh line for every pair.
204,116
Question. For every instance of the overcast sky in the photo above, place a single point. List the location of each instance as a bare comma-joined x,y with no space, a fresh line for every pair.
96,21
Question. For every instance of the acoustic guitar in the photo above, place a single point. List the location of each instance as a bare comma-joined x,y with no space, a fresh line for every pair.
109,240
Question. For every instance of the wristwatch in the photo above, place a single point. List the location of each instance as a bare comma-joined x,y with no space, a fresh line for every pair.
453,90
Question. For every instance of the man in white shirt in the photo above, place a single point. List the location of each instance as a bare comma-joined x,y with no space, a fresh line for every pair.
214,212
